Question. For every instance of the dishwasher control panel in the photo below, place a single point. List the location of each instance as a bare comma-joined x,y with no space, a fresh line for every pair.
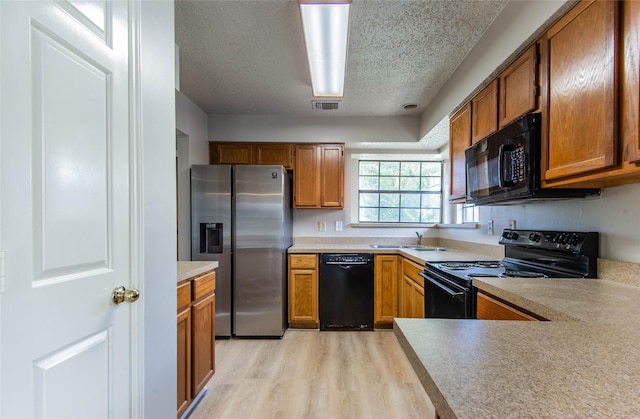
346,258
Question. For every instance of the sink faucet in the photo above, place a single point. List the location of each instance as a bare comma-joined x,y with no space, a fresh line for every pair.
419,238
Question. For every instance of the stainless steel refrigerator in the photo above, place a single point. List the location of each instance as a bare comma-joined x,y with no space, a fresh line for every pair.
241,218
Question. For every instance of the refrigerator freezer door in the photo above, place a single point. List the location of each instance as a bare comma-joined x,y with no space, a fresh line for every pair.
261,236
211,232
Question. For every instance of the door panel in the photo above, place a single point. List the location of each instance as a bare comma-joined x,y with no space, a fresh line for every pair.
69,162
65,208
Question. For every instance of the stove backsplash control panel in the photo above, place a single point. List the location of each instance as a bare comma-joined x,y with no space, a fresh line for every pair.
572,242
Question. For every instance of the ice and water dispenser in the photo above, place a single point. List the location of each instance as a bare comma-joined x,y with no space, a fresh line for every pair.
211,235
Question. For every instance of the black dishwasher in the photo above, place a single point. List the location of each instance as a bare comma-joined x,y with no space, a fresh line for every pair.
346,291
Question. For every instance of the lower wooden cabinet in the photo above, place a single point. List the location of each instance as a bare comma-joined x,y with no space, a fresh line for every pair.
303,291
489,308
385,290
184,347
195,337
203,317
412,290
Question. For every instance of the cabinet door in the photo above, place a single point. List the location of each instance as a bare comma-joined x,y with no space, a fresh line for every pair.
268,154
232,153
385,290
488,308
203,343
303,298
407,300
518,87
581,106
306,182
184,360
417,306
459,140
630,79
484,112
331,176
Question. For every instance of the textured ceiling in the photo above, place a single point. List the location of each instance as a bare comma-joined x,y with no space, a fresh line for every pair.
248,57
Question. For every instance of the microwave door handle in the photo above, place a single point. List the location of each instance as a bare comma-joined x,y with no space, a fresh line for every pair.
500,164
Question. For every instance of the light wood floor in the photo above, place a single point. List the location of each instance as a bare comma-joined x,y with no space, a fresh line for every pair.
312,374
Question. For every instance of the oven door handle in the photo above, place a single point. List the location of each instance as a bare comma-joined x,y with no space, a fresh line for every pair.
444,288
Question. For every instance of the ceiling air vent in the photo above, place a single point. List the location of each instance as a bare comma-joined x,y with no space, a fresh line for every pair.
320,105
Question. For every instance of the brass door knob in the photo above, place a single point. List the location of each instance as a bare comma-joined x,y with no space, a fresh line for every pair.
122,294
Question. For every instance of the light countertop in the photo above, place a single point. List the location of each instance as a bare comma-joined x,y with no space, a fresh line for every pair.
189,269
418,256
583,363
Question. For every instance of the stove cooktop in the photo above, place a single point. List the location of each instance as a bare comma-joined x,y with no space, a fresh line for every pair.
487,269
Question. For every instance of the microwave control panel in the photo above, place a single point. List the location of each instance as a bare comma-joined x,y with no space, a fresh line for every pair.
517,165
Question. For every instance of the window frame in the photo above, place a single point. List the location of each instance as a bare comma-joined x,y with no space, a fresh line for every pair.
439,193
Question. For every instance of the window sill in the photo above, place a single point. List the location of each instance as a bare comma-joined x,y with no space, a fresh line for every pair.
412,225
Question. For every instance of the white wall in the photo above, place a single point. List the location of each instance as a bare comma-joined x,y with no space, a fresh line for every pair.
614,215
327,129
191,121
192,148
158,294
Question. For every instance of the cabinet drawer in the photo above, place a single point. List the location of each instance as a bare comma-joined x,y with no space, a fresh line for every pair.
203,285
492,309
412,270
303,261
184,295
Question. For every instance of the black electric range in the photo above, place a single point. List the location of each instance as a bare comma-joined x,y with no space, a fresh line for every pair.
528,254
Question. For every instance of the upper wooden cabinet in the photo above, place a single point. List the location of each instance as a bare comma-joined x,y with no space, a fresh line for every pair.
630,89
276,154
230,153
518,86
252,153
331,175
484,112
459,140
606,149
580,56
319,178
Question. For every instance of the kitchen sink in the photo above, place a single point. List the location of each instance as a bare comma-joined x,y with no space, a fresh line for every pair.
408,246
425,248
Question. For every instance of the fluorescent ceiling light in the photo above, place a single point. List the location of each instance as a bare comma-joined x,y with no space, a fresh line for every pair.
326,30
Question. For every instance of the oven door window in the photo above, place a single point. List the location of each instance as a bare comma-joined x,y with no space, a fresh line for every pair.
445,300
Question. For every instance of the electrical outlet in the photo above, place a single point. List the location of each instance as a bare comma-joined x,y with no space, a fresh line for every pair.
338,225
490,227
322,226
512,224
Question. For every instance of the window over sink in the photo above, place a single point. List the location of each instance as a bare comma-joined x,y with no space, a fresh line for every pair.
399,191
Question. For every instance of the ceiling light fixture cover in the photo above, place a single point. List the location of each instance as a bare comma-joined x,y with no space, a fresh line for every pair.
326,30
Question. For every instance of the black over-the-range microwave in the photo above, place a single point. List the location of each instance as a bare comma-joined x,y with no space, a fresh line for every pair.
504,168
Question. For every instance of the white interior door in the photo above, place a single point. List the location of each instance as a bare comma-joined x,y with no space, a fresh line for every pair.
64,228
